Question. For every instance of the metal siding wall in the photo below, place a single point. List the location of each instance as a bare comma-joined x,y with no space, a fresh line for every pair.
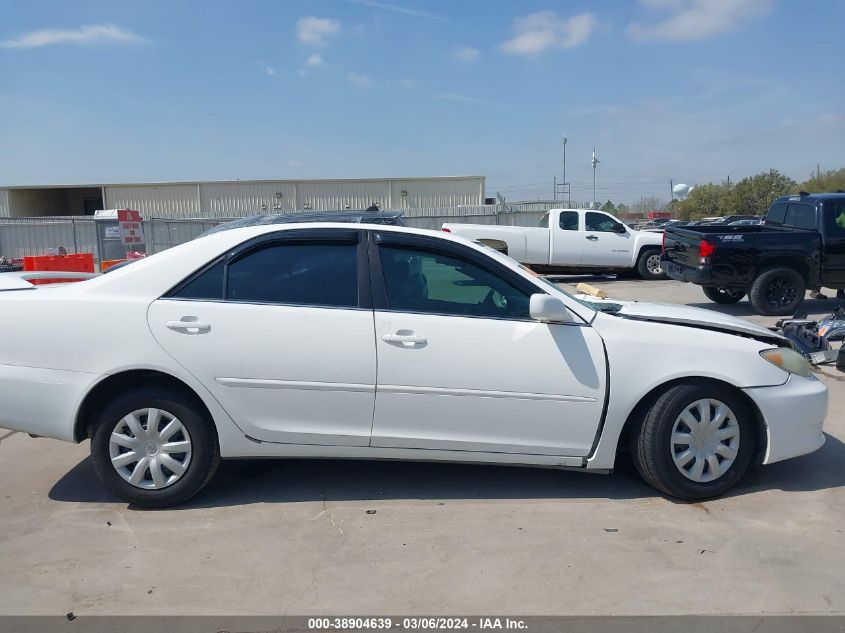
437,193
340,195
155,201
235,199
4,203
37,202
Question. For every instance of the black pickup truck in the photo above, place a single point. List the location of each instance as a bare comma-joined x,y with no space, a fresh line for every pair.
800,245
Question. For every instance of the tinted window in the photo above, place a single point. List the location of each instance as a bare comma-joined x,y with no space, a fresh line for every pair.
776,213
834,218
800,216
305,274
599,222
569,220
206,285
419,281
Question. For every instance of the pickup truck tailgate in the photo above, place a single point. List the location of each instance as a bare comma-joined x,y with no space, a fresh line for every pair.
681,247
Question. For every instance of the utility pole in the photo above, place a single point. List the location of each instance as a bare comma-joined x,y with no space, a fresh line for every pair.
554,195
595,161
818,171
671,190
563,193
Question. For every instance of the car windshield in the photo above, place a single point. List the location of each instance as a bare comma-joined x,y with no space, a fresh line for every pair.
596,306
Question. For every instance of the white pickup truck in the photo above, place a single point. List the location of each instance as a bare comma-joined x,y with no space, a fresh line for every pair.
573,241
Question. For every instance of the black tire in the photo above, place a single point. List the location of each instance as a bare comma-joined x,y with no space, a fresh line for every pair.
653,450
205,451
777,291
643,263
724,296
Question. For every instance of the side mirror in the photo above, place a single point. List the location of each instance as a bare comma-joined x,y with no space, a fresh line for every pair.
619,228
548,309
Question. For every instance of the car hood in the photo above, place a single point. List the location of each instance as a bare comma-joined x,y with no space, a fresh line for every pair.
696,317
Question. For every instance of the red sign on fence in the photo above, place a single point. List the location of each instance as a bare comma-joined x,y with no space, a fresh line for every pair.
131,231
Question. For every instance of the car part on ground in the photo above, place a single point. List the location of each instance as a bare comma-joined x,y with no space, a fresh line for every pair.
812,338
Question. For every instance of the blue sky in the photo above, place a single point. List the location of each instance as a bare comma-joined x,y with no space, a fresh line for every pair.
692,90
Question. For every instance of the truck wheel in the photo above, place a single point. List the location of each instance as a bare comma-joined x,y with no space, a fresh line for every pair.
695,442
723,295
777,291
648,265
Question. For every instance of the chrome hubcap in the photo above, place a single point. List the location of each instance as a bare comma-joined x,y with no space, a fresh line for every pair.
652,264
150,448
705,440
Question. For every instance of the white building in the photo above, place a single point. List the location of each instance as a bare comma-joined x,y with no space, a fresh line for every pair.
229,199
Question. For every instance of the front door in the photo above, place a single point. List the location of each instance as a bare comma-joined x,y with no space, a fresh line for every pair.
603,246
461,365
280,334
833,243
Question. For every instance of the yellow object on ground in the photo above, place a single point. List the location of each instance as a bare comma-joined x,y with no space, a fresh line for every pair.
587,289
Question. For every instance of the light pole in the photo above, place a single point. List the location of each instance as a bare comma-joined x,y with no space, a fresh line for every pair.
564,164
596,161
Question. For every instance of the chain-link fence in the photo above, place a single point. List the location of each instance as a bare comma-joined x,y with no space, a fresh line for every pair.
21,237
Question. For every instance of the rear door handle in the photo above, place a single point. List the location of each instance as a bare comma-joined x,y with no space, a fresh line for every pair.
188,327
394,337
592,238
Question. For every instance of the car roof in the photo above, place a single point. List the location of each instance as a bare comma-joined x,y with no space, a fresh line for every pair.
813,197
352,217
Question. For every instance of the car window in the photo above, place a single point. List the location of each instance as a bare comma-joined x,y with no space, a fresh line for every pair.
800,216
422,281
834,218
776,213
599,222
304,274
569,220
206,285
544,221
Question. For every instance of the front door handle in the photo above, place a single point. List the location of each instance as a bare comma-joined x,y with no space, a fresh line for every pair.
395,337
188,327
592,238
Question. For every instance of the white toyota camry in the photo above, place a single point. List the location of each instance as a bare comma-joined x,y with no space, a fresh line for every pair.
355,341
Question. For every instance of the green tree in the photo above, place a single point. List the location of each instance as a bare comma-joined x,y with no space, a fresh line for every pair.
622,208
703,201
609,207
825,182
755,194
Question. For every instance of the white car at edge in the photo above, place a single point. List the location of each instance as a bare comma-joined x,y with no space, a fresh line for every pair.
356,341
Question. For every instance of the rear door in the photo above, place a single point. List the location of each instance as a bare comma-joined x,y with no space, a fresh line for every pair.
280,331
833,248
567,240
601,245
463,367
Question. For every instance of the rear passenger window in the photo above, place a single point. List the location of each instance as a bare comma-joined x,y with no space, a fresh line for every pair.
776,213
834,218
800,216
302,274
207,285
569,220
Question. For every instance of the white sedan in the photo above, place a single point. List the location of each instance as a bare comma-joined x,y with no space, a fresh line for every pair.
332,340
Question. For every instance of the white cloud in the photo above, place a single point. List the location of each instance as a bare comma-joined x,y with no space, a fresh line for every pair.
696,19
538,32
269,71
407,83
315,60
359,81
92,34
466,54
414,13
454,96
316,31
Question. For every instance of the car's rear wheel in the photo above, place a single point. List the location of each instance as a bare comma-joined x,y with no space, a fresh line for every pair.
153,447
723,295
695,442
649,266
777,291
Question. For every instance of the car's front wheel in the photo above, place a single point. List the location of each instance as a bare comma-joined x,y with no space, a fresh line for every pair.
695,442
153,447
649,266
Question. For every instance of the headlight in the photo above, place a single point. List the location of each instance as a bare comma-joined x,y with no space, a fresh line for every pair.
788,360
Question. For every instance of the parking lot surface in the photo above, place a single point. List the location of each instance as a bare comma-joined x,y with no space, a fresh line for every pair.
342,537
